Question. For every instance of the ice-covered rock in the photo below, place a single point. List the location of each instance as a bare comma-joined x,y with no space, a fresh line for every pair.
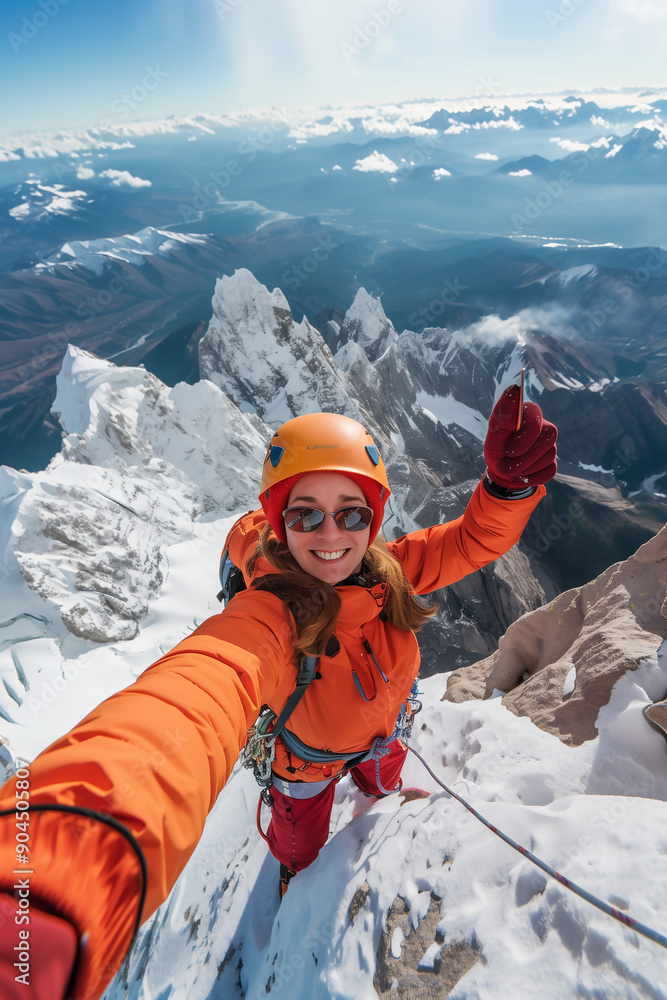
264,361
366,324
139,465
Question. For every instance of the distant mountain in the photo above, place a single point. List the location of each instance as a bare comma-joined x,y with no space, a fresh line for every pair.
534,114
119,297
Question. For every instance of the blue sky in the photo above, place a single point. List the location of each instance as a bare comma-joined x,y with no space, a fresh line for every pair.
72,63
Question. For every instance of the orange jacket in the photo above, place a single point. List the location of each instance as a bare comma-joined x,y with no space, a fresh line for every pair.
153,758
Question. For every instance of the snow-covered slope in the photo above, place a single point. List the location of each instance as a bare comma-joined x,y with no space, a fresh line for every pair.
109,557
421,894
135,249
140,465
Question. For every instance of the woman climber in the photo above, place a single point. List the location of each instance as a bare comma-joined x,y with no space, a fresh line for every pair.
107,840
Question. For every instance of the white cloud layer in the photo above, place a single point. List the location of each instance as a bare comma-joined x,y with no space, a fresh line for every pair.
569,145
120,177
376,163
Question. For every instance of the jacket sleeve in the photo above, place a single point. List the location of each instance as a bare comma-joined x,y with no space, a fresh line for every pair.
489,527
141,772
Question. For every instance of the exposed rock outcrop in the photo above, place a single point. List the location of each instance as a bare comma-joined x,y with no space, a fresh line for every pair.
558,664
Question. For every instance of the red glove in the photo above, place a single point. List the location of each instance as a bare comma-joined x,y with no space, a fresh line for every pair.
518,459
39,955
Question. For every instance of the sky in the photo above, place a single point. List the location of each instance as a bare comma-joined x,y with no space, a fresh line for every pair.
77,63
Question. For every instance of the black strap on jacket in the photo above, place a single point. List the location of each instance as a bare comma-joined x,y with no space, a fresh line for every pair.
304,677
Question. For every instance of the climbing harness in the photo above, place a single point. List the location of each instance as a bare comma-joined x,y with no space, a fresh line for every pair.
402,731
259,750
624,918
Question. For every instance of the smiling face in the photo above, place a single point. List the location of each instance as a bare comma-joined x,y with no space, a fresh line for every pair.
329,553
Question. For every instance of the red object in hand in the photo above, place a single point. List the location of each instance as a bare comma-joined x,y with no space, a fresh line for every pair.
516,459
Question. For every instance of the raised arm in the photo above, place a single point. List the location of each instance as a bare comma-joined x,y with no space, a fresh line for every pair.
521,457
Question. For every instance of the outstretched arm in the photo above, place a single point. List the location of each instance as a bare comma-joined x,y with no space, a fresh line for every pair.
118,804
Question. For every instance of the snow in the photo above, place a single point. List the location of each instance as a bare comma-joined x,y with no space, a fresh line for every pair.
43,200
449,410
396,942
141,469
427,961
594,812
255,352
133,249
649,484
574,273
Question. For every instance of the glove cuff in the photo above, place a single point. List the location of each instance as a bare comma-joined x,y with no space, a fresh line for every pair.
503,493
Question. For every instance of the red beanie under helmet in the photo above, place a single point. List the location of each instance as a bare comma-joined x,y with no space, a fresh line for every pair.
276,502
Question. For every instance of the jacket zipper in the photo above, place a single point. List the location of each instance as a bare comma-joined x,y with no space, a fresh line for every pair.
369,650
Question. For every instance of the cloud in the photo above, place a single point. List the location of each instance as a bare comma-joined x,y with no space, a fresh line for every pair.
511,123
85,173
314,130
380,125
521,173
376,163
569,145
120,177
456,127
441,172
646,11
493,329
486,156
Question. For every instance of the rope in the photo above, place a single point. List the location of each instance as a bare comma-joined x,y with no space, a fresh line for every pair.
259,821
624,918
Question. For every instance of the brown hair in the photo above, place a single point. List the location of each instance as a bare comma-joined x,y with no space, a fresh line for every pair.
314,604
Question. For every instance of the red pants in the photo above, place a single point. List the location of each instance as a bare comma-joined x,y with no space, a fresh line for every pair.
299,827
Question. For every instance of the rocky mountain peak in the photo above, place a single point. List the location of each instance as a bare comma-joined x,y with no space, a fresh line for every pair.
367,325
266,362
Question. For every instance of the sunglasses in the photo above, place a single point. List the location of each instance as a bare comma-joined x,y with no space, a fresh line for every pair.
310,518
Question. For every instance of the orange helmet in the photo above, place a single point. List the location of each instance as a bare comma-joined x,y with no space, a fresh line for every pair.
321,442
